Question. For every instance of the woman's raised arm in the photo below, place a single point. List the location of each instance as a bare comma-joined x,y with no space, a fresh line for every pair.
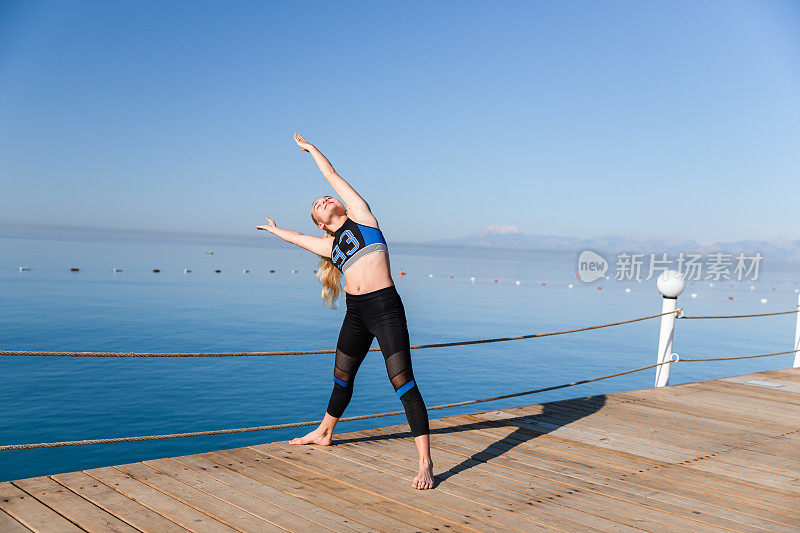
318,245
349,196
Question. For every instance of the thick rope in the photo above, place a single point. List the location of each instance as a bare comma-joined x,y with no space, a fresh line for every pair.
739,356
141,438
300,424
741,316
315,352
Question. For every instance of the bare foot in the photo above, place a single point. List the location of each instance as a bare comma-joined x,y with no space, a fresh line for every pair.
318,436
424,480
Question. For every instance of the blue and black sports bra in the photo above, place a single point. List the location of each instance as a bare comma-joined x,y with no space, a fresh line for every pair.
353,241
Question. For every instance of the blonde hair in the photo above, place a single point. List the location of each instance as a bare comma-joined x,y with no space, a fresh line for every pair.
328,275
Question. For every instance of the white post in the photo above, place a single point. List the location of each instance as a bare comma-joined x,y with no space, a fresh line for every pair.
670,284
797,336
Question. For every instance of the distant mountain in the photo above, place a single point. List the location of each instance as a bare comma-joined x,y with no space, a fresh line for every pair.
510,237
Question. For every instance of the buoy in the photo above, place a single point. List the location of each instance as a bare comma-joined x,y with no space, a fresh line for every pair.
315,272
116,270
294,271
763,300
402,272
156,270
23,269
517,282
599,288
187,270
272,271
607,277
495,281
245,271
217,270
797,291
472,279
773,288
576,275
73,269
710,284
544,284
430,275
730,297
627,290
752,287
210,252
570,285
694,295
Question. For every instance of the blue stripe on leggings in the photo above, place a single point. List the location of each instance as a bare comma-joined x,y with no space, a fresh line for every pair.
402,390
339,381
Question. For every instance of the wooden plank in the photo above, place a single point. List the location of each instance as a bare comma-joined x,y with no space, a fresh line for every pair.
766,385
702,456
640,466
442,505
675,436
171,508
505,507
650,507
116,503
357,504
662,402
724,405
9,525
32,513
614,464
653,451
684,421
283,498
245,500
770,446
215,507
72,506
762,390
658,491
522,495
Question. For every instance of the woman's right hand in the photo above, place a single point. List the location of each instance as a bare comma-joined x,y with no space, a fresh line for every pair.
302,143
269,226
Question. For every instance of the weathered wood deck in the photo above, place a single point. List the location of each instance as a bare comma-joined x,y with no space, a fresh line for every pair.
714,455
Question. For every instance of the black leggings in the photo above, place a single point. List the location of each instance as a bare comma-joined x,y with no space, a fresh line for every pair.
378,314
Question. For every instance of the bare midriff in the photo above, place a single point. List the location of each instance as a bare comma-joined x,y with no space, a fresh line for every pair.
369,273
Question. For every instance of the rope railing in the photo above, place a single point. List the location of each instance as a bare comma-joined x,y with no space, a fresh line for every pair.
739,316
300,424
738,356
141,438
26,353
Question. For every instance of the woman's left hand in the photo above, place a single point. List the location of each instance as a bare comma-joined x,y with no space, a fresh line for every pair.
269,226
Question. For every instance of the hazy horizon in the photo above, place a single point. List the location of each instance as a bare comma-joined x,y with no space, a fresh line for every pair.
66,231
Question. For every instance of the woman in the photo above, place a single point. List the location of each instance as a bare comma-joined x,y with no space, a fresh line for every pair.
353,245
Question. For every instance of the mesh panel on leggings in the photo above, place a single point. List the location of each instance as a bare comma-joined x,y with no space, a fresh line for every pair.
345,363
399,362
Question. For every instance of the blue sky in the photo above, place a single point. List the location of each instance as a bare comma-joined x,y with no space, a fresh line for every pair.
567,118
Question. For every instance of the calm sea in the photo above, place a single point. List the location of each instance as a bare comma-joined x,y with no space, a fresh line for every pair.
95,309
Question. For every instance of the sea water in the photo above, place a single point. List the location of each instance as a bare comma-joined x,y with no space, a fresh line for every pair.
95,309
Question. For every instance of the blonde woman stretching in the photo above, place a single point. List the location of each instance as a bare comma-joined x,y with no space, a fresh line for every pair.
353,245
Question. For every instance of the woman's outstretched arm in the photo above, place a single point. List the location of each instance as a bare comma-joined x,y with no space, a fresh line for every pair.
349,196
318,245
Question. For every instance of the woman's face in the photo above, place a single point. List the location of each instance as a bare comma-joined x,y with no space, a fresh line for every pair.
325,208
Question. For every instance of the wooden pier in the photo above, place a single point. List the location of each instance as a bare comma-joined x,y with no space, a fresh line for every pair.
716,455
